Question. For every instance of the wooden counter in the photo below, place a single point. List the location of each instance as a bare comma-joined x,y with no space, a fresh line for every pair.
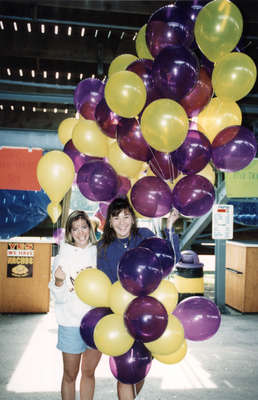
242,275
25,265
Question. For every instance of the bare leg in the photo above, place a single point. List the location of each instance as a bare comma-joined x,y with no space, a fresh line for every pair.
71,367
90,360
127,392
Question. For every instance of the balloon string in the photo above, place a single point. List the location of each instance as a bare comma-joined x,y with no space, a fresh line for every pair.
155,169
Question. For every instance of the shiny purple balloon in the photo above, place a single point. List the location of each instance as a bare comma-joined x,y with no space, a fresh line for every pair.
163,251
139,271
106,119
146,318
162,165
175,72
89,321
151,197
97,181
58,235
194,154
199,316
169,25
88,93
133,366
193,196
131,140
233,148
143,68
78,158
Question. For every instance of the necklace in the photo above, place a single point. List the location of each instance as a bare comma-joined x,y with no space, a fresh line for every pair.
124,242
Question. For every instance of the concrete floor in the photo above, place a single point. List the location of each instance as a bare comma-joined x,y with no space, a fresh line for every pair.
223,367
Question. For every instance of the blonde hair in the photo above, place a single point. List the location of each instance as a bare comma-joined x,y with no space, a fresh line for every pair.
74,216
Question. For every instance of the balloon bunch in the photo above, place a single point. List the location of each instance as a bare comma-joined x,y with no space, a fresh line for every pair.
137,318
163,118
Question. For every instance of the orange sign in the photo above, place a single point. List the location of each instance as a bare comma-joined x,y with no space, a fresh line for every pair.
18,168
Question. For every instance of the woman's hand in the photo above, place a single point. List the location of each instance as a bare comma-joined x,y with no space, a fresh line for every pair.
172,218
59,276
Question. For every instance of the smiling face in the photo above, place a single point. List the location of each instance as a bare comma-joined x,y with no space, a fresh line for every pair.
122,224
80,232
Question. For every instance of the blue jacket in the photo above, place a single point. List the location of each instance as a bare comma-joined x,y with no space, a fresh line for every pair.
109,257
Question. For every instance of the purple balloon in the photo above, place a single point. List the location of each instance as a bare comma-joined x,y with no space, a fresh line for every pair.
143,69
97,181
88,93
131,140
193,196
139,271
89,321
233,148
78,158
163,251
133,366
106,119
162,165
151,197
199,316
175,72
194,154
146,318
58,235
169,25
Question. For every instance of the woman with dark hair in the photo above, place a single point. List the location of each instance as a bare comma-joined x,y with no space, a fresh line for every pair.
77,253
120,234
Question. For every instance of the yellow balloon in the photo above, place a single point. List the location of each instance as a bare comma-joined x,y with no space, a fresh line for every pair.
142,49
217,115
120,63
111,336
167,294
55,172
125,94
92,287
174,357
89,139
209,173
218,28
123,164
171,339
119,298
65,129
54,210
234,76
164,125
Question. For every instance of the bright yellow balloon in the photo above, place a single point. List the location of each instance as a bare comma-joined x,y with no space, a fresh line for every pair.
171,339
65,129
120,63
88,138
142,49
167,294
111,336
119,298
92,286
209,173
218,28
233,76
174,357
164,125
217,115
123,164
54,210
125,94
55,172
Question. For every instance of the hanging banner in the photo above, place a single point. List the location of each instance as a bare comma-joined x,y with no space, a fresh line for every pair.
243,183
18,168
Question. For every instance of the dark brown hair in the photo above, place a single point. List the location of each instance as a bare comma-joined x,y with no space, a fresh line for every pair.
115,207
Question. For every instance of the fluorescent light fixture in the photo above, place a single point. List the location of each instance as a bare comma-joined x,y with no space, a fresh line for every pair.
15,27
56,29
42,28
82,32
57,75
29,27
33,73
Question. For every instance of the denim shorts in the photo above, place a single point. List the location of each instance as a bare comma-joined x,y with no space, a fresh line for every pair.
70,340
